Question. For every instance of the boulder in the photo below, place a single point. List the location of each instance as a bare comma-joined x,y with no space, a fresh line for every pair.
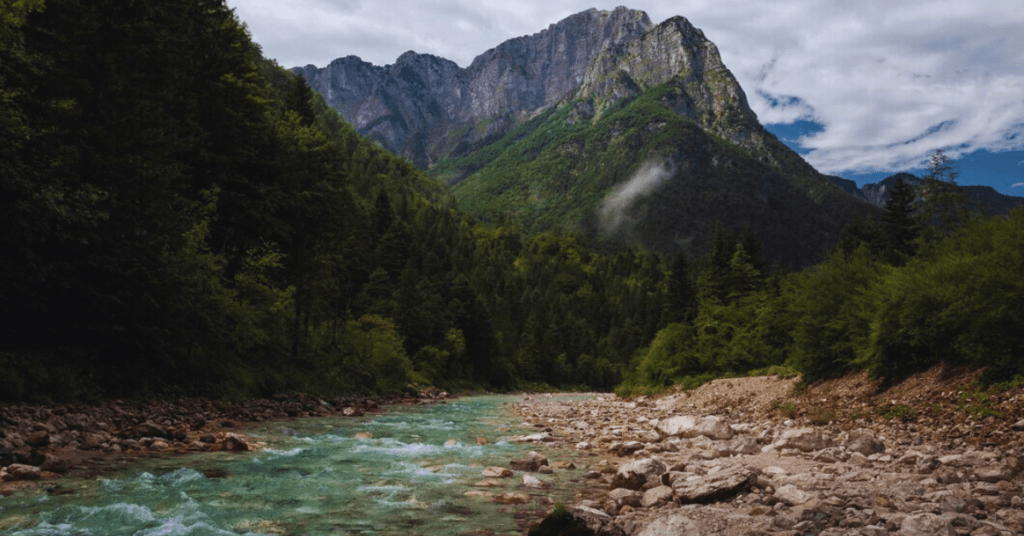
678,426
713,427
635,474
714,486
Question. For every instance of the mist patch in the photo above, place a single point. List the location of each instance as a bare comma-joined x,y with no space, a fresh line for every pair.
613,212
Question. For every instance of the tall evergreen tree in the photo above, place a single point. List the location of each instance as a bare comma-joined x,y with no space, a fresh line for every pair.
900,222
681,297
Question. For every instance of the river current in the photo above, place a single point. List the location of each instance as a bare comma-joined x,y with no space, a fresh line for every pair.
315,477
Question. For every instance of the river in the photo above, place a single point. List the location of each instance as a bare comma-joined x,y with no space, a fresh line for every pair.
314,477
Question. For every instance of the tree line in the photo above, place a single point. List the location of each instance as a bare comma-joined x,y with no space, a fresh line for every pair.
181,216
929,282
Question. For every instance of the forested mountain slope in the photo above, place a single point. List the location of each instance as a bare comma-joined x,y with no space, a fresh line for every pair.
182,217
552,128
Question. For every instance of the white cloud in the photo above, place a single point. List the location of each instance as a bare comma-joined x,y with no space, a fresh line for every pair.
1017,184
879,75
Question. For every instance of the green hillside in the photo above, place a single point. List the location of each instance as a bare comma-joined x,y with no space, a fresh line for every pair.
555,171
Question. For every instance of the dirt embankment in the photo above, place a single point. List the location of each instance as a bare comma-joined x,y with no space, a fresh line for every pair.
932,455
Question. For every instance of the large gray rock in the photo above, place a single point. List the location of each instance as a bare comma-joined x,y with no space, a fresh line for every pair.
714,427
714,486
678,426
687,426
633,475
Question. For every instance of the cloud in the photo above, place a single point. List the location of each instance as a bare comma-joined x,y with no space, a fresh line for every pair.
1017,184
614,210
878,75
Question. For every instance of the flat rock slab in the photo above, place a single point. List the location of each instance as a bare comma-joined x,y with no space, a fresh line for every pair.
715,486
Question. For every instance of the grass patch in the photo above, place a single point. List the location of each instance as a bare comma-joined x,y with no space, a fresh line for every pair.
902,412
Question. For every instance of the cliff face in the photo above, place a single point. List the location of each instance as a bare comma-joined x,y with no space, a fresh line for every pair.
427,108
547,128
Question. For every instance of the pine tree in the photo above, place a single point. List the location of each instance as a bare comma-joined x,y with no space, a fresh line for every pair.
901,225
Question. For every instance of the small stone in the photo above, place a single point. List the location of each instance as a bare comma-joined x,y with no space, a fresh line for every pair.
656,496
451,443
161,445
54,464
792,495
489,483
497,472
481,441
511,498
234,443
530,481
363,435
623,496
38,438
18,471
150,429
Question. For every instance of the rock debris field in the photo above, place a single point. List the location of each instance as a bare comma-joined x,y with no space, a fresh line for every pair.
746,456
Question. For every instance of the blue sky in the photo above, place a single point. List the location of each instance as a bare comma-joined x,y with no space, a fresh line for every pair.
862,89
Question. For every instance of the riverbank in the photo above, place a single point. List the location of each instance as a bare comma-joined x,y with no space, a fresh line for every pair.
933,455
44,442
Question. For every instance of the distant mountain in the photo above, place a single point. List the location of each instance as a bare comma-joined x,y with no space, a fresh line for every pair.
632,133
985,199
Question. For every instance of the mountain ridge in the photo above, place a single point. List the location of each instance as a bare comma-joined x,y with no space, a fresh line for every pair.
523,131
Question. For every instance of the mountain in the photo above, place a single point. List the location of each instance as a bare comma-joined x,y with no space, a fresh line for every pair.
631,133
985,199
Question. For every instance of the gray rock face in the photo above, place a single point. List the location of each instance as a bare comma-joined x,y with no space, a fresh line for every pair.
425,108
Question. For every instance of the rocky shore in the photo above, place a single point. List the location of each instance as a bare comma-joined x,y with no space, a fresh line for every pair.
749,456
46,441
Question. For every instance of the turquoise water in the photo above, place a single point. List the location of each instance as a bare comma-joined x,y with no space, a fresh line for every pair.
313,478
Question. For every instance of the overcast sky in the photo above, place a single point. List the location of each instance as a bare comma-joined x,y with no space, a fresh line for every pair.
883,83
